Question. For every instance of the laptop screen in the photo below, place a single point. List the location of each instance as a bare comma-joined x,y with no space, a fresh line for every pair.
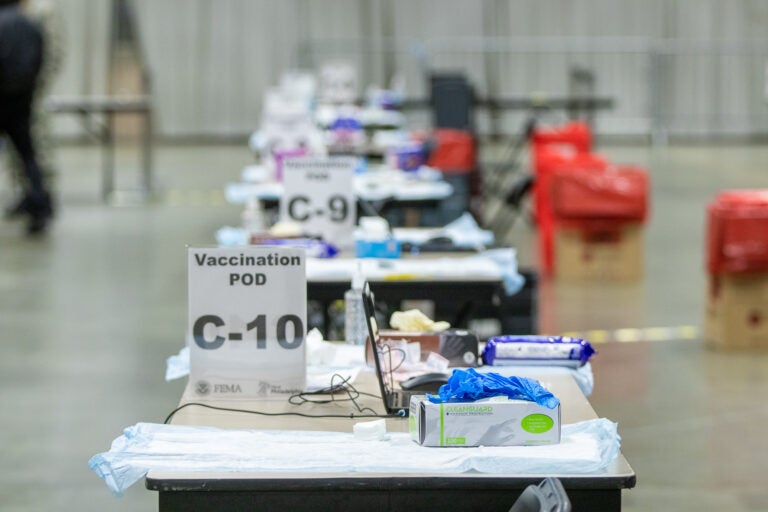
385,358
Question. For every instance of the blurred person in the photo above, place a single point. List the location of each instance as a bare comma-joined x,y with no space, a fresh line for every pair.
47,15
21,58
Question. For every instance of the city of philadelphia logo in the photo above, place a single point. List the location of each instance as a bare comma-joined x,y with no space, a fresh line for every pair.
203,387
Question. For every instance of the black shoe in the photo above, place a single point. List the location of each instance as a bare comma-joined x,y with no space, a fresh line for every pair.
40,211
29,205
17,209
37,224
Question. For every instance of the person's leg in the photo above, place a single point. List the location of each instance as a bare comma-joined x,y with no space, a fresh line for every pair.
40,128
37,201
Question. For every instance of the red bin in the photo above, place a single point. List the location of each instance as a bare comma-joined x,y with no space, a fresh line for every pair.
737,264
575,135
737,232
548,161
454,152
619,193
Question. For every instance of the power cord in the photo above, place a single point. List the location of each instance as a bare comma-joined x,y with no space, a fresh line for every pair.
299,399
262,413
387,350
343,386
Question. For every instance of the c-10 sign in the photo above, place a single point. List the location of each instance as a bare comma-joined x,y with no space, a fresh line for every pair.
247,318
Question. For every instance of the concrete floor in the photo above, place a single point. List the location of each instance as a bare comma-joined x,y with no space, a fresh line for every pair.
89,314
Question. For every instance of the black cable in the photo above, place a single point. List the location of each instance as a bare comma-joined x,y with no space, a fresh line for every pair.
331,390
350,389
262,413
352,396
386,350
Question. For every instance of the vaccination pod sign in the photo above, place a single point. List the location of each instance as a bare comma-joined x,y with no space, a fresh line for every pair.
319,195
247,322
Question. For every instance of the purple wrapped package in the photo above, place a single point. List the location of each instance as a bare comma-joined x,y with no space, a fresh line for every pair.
409,157
537,350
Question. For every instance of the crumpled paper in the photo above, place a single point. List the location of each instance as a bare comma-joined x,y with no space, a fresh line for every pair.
414,320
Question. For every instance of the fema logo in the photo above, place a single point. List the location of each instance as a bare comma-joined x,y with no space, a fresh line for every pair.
203,388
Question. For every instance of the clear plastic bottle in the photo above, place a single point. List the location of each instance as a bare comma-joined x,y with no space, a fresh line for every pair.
253,220
355,328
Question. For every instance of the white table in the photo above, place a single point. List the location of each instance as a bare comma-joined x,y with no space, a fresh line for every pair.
301,490
374,186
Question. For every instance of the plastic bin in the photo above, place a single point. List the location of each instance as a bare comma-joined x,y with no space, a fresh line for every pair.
621,192
737,232
548,161
548,496
736,315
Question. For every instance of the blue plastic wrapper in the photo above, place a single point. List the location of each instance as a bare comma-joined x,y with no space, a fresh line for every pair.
346,123
389,248
469,386
548,350
314,248
361,165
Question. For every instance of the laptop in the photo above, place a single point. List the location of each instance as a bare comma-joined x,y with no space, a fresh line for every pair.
396,401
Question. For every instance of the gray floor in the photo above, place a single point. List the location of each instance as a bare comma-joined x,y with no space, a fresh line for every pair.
89,313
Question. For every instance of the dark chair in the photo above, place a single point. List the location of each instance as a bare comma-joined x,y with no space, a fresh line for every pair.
452,101
548,496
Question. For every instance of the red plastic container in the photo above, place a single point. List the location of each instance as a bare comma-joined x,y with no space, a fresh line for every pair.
575,135
454,153
619,193
737,232
554,147
547,161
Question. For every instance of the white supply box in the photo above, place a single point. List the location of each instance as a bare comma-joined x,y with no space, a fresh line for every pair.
495,421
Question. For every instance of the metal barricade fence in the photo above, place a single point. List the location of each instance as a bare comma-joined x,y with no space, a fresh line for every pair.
660,87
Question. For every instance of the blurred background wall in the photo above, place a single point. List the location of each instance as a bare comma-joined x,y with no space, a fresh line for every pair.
689,68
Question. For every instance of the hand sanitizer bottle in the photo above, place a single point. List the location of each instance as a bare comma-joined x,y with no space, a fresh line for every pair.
355,327
253,220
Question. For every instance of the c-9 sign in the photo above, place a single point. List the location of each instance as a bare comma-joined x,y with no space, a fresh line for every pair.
300,208
319,195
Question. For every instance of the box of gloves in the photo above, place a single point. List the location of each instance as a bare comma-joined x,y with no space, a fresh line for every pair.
495,421
486,409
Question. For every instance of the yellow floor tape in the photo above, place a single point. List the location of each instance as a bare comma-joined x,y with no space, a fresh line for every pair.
630,335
